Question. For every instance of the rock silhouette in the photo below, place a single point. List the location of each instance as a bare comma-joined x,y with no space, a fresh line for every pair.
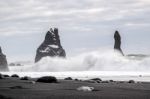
51,46
3,61
117,45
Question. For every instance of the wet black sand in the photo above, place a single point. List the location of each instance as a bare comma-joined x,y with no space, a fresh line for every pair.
13,88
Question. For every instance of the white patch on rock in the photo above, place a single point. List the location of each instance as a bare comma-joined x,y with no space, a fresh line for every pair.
53,46
85,88
46,50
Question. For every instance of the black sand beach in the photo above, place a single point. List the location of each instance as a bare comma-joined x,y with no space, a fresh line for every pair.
14,88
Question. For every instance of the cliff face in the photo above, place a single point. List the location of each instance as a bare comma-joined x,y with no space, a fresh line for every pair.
3,61
51,46
117,45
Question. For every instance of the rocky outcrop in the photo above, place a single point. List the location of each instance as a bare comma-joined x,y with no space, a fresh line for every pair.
51,46
117,45
3,61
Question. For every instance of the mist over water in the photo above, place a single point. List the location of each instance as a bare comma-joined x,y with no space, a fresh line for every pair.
99,60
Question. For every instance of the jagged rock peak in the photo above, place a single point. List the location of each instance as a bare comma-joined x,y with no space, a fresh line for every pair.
52,37
117,45
3,61
51,46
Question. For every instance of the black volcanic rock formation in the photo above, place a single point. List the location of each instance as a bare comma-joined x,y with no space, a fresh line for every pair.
117,45
3,61
51,46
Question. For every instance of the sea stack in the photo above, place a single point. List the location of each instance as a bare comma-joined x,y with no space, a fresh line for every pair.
3,61
117,45
51,46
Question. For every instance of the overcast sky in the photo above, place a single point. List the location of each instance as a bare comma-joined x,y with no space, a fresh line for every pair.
83,25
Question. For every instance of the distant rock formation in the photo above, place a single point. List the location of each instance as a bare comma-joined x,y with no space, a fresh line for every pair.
51,46
15,64
3,61
117,45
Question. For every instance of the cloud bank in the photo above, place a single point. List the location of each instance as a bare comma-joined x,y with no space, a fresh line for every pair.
31,16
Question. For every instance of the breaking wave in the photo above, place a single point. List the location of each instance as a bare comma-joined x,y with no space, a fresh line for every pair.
92,61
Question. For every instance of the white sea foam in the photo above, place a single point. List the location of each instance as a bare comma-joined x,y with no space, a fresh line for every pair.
100,60
104,64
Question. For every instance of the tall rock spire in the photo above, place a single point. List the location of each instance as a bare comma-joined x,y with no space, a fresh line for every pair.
117,45
51,46
3,61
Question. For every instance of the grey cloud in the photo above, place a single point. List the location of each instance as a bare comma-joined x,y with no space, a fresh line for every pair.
22,16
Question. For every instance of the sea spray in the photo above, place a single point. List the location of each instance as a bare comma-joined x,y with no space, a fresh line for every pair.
99,60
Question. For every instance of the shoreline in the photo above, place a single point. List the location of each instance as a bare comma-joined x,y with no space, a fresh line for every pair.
84,75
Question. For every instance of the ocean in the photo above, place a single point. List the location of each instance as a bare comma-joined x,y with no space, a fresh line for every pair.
106,65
